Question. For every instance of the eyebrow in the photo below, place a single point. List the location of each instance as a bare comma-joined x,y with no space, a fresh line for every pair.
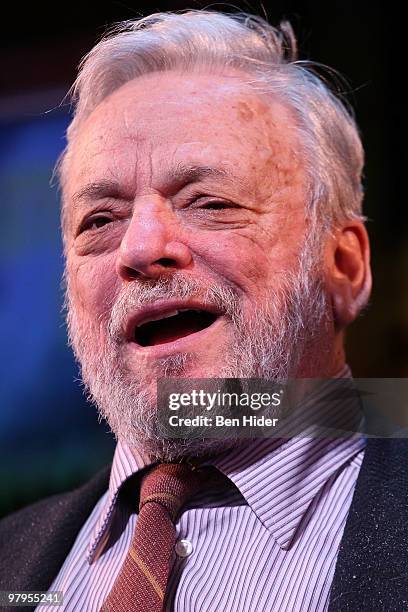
96,190
179,177
184,174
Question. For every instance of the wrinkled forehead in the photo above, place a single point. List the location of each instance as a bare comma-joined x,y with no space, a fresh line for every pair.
167,119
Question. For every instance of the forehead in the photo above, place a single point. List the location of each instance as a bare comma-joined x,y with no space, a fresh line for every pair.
162,120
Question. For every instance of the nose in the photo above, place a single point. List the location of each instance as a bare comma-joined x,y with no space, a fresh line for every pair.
151,245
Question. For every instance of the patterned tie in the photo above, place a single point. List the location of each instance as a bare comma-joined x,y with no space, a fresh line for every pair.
141,583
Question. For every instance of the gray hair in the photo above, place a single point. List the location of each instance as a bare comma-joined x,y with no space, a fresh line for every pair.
197,40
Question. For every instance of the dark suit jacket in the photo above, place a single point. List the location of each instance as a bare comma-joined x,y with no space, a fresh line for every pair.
371,572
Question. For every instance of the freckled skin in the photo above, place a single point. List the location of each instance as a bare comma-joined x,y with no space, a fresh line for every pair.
245,111
135,137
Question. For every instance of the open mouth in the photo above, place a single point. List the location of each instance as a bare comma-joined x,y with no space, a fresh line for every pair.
172,325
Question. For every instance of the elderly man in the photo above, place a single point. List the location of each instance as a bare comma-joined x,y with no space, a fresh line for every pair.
212,224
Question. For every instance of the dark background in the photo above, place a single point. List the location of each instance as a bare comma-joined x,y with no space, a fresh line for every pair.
49,436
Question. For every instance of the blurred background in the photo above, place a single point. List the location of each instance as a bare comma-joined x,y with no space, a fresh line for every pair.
50,439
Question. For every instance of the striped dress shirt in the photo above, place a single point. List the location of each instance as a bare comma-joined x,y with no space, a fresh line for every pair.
266,541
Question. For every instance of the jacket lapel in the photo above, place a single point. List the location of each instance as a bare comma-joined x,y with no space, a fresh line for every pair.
371,572
35,541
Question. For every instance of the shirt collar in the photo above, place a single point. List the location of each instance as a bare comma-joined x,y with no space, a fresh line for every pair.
278,477
126,463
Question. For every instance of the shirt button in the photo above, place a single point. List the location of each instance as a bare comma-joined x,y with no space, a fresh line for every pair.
184,548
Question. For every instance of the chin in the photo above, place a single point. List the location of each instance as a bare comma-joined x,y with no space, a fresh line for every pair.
179,365
177,450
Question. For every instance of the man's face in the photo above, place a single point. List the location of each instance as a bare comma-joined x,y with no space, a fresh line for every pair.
185,220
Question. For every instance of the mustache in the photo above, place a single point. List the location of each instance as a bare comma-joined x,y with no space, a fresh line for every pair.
140,293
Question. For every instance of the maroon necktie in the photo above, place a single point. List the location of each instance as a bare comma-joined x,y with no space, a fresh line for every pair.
142,580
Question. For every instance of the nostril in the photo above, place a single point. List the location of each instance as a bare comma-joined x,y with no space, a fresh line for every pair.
146,268
153,270
167,262
131,272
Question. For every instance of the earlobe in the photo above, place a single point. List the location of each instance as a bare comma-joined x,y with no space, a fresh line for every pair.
348,274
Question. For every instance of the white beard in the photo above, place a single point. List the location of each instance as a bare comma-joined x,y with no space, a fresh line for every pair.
271,344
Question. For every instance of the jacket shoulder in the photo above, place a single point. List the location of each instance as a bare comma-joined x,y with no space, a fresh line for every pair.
35,541
370,572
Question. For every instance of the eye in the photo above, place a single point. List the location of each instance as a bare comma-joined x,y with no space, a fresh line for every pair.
95,222
217,205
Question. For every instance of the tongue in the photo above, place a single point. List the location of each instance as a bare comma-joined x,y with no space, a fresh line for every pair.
173,328
162,333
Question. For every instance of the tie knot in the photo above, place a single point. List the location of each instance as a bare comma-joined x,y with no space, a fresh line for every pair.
171,485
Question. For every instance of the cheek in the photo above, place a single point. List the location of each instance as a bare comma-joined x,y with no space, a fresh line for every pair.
235,259
93,288
251,259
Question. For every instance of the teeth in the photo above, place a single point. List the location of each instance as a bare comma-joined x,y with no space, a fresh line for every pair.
170,313
187,309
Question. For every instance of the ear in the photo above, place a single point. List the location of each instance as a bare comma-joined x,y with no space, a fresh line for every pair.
347,271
